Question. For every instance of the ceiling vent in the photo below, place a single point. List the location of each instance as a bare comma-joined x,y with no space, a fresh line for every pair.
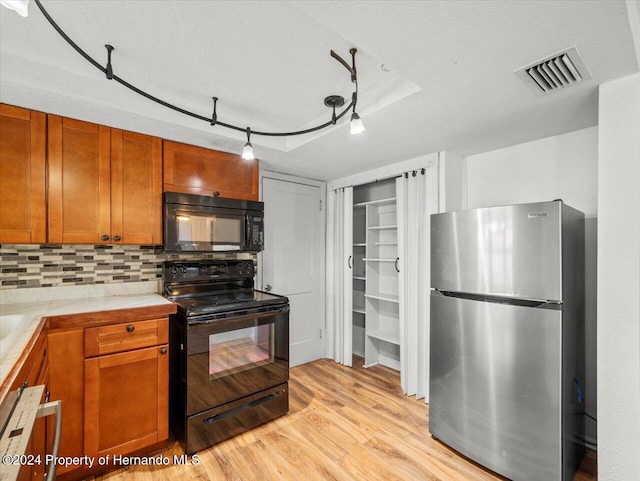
553,73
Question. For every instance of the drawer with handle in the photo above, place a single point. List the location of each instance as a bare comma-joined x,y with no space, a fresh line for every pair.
124,337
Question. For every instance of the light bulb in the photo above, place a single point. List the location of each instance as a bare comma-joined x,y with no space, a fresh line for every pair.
20,6
356,124
247,151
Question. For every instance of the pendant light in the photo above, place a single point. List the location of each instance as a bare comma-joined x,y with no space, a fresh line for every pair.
356,124
20,6
247,150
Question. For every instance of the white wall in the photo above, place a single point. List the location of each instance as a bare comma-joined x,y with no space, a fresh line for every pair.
560,167
619,280
564,166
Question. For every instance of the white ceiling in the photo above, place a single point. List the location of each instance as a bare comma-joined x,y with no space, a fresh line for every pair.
433,75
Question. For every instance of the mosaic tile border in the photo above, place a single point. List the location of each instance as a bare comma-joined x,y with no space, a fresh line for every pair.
52,265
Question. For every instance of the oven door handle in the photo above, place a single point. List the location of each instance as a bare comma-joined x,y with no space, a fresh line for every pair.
244,407
238,315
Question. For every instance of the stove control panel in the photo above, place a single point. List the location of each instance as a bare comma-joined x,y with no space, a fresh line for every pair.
207,270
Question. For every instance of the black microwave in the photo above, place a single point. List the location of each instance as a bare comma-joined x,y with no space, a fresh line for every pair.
199,223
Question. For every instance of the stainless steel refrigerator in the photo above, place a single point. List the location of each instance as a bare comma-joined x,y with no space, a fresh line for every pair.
507,337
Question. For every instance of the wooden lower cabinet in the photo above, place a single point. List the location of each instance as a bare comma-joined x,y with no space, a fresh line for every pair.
112,378
125,401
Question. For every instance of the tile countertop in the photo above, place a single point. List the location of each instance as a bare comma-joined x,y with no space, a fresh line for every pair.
22,310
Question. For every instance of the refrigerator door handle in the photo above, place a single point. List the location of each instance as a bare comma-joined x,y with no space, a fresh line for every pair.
544,304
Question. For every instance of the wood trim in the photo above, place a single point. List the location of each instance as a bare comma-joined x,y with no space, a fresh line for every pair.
15,112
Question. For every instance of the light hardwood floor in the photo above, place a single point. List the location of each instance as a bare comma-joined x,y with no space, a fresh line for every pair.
343,424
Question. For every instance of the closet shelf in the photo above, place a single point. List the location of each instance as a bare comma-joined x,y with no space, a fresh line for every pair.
389,337
361,244
386,243
383,297
388,201
358,278
359,310
382,227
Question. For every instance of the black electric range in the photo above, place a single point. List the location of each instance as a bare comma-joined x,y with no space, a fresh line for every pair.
229,351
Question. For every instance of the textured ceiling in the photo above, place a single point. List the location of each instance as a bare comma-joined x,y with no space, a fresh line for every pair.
432,75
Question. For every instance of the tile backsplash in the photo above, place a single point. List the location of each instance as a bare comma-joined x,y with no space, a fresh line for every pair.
63,265
52,265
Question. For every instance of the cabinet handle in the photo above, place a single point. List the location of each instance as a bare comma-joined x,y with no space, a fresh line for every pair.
105,237
396,264
349,262
163,350
216,194
130,328
117,238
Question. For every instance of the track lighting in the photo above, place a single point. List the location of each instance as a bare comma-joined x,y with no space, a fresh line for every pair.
356,124
247,150
20,6
332,101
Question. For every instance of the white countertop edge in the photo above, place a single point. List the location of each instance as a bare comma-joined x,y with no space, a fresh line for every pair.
42,294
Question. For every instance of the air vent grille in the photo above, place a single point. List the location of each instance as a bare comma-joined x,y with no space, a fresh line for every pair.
560,70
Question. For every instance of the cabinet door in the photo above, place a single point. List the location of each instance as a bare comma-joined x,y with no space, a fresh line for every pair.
22,176
126,401
201,171
79,182
136,188
66,373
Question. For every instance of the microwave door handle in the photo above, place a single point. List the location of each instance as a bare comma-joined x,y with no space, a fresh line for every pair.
246,230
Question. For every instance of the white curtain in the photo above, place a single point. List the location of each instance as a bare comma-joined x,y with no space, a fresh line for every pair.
339,280
417,197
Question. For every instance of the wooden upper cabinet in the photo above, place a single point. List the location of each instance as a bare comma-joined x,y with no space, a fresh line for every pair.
22,176
79,182
105,185
196,170
136,188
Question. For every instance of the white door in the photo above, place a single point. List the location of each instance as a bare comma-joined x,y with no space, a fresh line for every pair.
292,261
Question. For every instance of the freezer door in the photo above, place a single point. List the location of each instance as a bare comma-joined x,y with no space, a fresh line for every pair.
495,385
503,251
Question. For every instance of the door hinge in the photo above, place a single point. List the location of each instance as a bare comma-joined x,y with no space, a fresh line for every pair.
320,333
320,204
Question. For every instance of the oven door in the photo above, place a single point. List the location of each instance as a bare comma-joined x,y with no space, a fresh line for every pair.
237,356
